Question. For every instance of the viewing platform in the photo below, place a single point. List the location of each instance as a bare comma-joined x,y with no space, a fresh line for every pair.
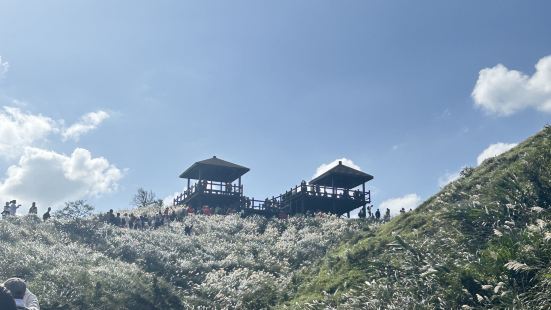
213,182
217,184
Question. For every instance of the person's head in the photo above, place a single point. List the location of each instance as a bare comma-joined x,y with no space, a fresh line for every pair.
6,299
17,287
34,204
49,209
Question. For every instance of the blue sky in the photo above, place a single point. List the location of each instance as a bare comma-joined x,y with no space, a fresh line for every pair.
281,87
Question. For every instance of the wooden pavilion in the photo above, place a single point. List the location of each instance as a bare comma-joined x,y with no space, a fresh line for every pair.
337,191
213,182
217,183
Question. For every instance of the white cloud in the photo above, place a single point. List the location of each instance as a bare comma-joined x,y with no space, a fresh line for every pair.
87,123
50,178
4,67
19,130
325,167
503,92
449,177
494,150
409,201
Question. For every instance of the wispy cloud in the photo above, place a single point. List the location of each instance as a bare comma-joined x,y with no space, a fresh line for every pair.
4,67
503,92
86,123
325,167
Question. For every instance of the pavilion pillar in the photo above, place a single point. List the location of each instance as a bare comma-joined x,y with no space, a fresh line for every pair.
348,214
363,199
188,183
239,186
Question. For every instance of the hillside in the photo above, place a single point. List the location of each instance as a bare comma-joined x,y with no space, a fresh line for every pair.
228,262
482,242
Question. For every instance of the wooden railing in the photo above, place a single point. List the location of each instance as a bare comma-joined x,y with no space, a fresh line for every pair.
210,187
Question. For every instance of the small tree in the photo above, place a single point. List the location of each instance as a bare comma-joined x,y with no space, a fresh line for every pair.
75,209
143,198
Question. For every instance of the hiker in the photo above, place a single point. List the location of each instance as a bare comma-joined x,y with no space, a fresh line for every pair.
387,214
6,211
173,216
403,210
187,230
369,211
46,215
377,214
24,299
117,220
33,209
13,207
124,220
6,300
110,217
361,214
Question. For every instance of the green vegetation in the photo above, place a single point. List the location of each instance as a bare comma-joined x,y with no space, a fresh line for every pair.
73,262
482,242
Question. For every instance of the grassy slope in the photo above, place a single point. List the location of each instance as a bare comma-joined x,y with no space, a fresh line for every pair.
228,262
452,251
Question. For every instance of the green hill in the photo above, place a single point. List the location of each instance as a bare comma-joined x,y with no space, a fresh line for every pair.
484,241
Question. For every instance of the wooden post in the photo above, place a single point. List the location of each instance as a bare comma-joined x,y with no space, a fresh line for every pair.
363,199
188,183
239,186
348,214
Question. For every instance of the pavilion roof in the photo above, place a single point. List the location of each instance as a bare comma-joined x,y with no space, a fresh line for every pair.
342,176
214,169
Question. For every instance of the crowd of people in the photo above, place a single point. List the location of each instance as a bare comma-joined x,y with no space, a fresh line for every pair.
11,207
152,221
15,295
367,213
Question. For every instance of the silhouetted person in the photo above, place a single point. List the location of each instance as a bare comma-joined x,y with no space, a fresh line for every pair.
47,215
117,220
6,299
387,214
361,214
33,209
377,214
403,210
110,217
13,207
229,187
187,230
